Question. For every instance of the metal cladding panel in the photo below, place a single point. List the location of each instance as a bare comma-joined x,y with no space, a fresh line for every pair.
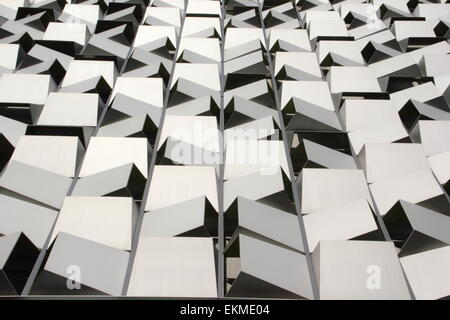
225,149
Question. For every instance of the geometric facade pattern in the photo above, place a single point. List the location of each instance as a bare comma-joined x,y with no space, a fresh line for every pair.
236,148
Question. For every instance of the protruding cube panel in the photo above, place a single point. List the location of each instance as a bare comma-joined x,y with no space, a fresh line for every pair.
359,270
17,258
174,267
76,266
